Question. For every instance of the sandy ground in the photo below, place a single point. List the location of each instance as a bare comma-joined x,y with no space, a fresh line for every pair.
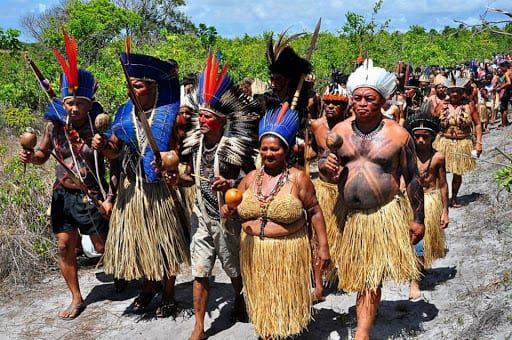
468,294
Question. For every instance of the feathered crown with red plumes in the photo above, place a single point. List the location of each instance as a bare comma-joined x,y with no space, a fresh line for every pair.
74,82
218,95
214,85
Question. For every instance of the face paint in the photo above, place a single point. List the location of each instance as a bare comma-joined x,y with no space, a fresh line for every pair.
213,123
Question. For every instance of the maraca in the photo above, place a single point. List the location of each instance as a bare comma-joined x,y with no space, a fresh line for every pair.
233,197
170,160
333,142
28,141
102,123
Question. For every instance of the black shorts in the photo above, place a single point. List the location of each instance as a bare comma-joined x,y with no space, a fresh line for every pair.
68,211
505,99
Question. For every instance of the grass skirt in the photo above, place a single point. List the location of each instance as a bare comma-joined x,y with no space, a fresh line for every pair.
327,195
145,238
455,163
376,246
188,195
276,274
434,239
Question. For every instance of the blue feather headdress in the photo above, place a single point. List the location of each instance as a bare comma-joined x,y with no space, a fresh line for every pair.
282,122
166,108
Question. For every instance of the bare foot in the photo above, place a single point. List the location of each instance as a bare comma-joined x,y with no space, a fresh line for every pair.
198,335
414,290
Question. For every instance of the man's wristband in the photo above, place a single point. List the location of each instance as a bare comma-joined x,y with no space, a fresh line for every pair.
478,142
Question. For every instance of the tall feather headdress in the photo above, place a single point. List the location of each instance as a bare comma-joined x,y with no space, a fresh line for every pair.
453,82
376,78
213,85
166,107
74,82
218,95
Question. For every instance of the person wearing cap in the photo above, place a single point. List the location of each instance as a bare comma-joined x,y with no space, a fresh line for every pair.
375,219
423,127
218,150
68,135
335,103
275,256
458,119
149,231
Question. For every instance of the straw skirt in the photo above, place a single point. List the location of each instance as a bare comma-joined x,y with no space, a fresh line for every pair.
452,148
276,273
145,238
376,246
327,195
434,239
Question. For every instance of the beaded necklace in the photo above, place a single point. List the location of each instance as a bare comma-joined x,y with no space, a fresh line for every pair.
367,135
265,200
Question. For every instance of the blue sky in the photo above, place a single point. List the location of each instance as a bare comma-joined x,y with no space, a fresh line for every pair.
234,18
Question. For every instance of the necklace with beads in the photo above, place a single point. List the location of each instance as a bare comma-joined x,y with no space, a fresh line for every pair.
367,135
265,200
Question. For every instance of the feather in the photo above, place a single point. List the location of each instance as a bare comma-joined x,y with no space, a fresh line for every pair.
280,116
70,68
274,50
128,48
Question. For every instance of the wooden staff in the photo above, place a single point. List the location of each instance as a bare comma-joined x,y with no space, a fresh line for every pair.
295,99
45,84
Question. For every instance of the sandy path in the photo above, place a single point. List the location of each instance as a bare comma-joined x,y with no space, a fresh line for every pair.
468,294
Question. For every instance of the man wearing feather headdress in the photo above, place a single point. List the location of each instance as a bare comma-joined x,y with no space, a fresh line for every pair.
148,237
374,217
220,146
79,186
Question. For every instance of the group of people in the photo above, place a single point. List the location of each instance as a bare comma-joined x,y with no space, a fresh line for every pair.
378,207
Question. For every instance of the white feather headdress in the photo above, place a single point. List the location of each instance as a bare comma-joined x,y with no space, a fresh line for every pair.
376,78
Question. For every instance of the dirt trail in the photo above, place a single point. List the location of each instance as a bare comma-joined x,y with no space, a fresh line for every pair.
468,294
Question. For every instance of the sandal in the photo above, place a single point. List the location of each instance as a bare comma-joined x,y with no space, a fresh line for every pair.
71,308
166,309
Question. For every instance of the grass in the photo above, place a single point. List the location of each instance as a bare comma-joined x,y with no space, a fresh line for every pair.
27,245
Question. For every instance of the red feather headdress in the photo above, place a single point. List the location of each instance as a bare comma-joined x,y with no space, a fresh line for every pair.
69,68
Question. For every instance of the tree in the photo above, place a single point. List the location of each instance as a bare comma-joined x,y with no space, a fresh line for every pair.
360,32
9,39
158,18
94,24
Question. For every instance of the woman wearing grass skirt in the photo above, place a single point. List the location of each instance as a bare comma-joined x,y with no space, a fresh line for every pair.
275,254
